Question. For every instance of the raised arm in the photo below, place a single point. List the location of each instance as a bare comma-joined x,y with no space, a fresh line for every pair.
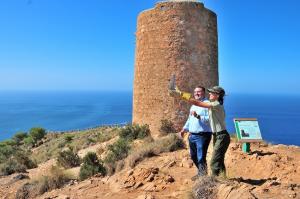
175,92
198,103
188,97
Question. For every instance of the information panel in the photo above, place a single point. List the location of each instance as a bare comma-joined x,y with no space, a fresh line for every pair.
247,130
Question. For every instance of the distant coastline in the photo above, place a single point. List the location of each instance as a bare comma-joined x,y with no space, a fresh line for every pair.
90,128
72,111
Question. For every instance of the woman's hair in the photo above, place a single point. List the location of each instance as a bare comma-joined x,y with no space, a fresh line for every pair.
221,99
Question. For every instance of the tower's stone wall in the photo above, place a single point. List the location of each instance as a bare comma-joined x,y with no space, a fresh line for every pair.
173,38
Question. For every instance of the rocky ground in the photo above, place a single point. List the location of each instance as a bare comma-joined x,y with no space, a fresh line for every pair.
269,171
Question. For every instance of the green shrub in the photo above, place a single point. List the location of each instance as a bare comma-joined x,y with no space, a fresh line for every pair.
103,137
68,159
86,142
91,166
22,158
13,158
68,138
143,131
167,127
172,143
29,141
117,151
10,142
132,132
56,142
17,161
61,144
91,140
26,191
19,137
37,133
6,151
11,166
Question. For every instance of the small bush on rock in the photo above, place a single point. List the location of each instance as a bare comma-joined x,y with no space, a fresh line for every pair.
68,138
18,161
91,166
205,188
11,166
37,133
117,151
22,158
6,151
28,141
19,137
68,159
132,132
167,127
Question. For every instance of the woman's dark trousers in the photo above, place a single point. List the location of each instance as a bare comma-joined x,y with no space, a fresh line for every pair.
221,142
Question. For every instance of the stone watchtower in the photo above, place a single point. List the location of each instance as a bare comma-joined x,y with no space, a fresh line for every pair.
175,37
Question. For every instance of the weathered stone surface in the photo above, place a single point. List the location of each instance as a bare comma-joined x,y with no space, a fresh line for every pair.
187,162
147,179
173,38
145,196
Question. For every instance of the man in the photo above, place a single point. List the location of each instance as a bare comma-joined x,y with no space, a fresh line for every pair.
200,133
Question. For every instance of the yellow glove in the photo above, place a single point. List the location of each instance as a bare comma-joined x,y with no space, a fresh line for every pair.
178,93
186,96
175,92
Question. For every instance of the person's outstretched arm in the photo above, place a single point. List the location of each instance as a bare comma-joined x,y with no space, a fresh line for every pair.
188,97
199,103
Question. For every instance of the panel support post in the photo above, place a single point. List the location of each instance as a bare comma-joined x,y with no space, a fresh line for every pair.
246,147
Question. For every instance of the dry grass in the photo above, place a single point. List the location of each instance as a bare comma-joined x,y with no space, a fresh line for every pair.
233,137
165,144
119,150
55,179
167,127
205,188
76,140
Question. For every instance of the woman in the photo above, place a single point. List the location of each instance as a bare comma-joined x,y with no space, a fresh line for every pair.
221,138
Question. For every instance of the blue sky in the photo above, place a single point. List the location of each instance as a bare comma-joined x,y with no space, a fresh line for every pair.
89,44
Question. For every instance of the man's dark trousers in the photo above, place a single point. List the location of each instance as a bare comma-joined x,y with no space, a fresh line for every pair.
198,150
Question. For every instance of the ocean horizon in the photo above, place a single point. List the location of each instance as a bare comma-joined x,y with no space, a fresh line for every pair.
278,115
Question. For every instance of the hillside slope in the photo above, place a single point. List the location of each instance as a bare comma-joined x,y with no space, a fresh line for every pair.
269,171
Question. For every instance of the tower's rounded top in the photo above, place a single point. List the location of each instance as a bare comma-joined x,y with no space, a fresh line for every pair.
182,0
166,4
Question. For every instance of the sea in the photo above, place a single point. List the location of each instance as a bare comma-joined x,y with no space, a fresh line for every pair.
278,115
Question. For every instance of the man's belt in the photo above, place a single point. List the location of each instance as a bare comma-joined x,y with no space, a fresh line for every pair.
202,133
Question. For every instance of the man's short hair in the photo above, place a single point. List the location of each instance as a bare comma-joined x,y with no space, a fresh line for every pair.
201,88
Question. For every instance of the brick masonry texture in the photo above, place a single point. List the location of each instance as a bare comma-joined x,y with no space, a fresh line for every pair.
172,38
